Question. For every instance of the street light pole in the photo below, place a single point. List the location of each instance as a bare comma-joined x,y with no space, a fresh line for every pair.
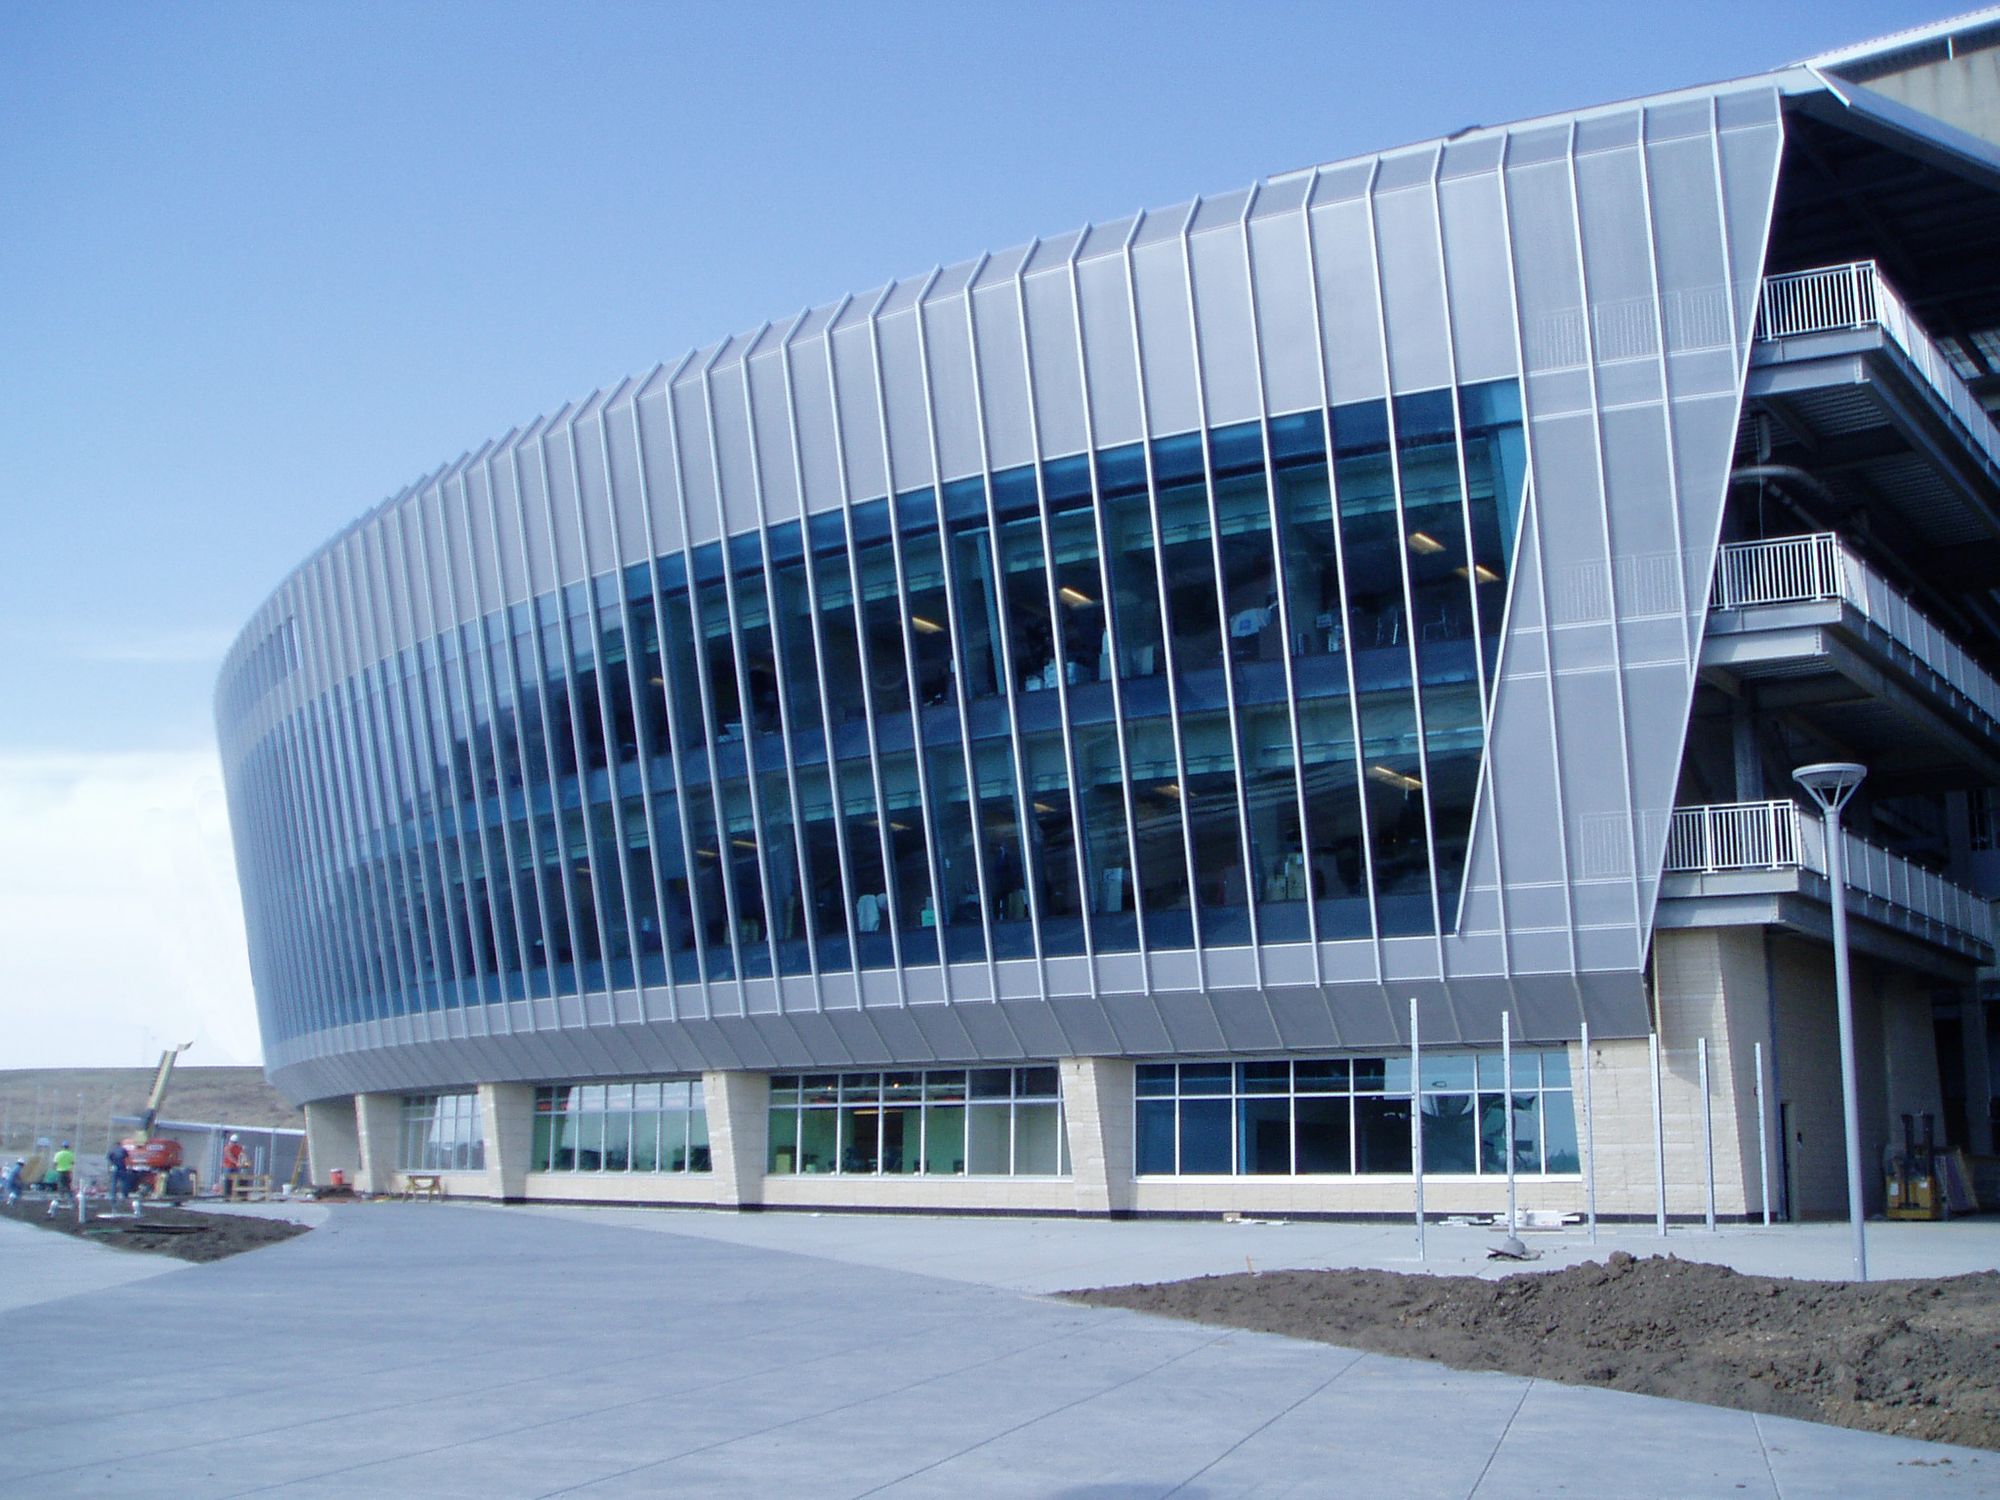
1831,784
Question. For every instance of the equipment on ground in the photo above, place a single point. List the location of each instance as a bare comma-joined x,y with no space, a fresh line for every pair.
1911,1177
156,1165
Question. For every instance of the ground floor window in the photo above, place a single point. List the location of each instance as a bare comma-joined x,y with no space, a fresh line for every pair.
442,1133
979,1122
658,1125
1350,1116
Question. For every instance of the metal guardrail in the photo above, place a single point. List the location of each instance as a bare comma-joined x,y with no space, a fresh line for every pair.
1783,570
1820,566
1733,836
1720,837
1831,298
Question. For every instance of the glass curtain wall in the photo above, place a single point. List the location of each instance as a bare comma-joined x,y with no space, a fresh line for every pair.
1123,700
442,1133
951,1122
1350,1116
651,1125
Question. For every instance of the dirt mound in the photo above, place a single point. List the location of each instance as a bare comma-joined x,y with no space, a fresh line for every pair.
1915,1358
179,1232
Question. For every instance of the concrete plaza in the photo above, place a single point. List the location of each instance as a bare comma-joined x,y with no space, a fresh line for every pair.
458,1351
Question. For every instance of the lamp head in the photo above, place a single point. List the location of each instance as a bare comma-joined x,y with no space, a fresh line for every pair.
1830,782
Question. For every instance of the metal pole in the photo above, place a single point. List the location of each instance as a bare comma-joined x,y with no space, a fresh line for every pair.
1507,1106
1850,1093
1659,1137
1417,1125
1589,1143
1763,1146
1707,1138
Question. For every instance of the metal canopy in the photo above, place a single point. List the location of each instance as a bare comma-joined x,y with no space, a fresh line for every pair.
1856,187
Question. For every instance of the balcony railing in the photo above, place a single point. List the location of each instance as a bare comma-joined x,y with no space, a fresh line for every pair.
1728,837
1733,836
1806,569
1833,298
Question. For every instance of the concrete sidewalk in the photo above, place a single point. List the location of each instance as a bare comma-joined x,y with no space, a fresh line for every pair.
1049,1255
447,1351
37,1266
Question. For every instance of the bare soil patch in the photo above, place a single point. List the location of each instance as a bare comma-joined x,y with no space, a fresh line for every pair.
1915,1358
181,1233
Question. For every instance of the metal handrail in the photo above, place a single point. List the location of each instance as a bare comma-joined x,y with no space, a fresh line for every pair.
1733,836
1804,569
1715,838
1829,299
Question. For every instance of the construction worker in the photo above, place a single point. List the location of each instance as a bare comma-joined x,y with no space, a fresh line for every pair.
235,1165
11,1185
121,1175
64,1167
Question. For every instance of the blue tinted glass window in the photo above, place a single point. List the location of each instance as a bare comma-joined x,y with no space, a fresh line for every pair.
1002,851
1052,832
957,913
882,610
979,630
839,637
753,623
1100,785
913,908
820,840
1162,843
739,853
787,910
867,881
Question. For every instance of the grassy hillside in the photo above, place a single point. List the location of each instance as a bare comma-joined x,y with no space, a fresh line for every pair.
48,1099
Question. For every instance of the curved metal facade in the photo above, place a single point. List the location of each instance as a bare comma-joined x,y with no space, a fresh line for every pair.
1194,633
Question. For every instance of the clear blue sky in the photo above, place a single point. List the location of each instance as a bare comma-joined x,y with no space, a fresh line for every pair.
264,264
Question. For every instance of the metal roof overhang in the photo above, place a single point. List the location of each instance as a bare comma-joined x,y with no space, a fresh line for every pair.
1866,178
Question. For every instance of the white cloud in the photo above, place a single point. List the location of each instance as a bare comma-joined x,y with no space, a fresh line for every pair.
167,648
192,646
121,930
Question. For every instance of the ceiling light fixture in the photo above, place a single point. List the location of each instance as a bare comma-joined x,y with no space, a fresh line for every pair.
1395,779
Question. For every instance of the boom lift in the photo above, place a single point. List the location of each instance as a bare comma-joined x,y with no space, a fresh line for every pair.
156,1165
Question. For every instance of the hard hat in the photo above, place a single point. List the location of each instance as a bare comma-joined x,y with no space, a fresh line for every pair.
236,1139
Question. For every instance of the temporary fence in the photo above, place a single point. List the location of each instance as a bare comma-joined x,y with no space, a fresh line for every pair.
1712,1149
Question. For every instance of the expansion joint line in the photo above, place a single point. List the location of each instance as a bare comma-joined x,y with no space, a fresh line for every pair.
1501,1441
1054,1411
1268,1422
817,1414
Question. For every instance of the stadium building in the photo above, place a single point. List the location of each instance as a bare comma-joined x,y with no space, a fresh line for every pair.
1022,738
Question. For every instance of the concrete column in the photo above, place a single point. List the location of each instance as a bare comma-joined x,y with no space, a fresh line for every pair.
333,1139
739,1131
1749,761
1709,984
1097,1104
507,1114
380,1121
